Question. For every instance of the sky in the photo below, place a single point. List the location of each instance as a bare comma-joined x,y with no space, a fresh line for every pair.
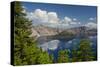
61,14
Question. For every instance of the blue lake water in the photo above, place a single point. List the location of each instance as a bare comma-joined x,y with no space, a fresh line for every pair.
53,46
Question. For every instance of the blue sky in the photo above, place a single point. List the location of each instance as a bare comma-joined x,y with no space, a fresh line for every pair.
82,14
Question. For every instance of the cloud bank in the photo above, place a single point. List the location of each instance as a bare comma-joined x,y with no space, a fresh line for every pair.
42,16
52,19
91,25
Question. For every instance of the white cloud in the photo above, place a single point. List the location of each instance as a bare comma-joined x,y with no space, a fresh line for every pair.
29,15
74,19
53,17
91,25
74,22
92,19
43,16
67,19
70,21
78,22
40,16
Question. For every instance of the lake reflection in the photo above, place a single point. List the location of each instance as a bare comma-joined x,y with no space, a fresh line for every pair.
62,43
53,46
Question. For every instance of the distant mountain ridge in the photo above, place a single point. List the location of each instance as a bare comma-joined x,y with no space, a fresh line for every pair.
41,30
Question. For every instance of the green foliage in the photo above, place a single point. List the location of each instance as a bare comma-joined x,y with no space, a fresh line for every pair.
17,9
22,42
63,56
25,47
44,58
51,57
74,55
17,60
84,52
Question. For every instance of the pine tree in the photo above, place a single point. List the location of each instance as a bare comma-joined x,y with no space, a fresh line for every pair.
22,40
84,52
74,55
25,47
44,58
63,56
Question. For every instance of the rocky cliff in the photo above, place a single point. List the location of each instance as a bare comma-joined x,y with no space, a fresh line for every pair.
41,30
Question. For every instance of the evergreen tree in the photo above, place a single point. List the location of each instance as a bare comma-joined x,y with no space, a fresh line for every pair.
52,57
74,55
43,58
63,56
25,47
84,52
